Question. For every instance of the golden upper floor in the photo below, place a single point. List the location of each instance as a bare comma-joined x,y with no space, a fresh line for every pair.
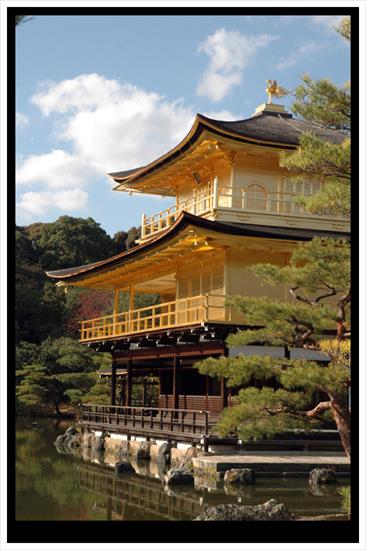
229,171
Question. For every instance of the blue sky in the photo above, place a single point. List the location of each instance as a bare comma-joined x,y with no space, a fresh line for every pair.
107,93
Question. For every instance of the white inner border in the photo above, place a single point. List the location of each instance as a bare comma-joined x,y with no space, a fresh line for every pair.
4,4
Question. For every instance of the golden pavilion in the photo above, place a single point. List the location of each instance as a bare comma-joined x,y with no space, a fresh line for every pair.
233,205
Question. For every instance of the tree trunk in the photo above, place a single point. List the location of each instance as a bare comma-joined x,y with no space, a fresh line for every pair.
342,419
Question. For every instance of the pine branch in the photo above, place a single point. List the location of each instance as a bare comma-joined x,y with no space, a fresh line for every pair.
320,407
341,316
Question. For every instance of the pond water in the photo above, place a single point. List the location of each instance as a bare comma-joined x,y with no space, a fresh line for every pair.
54,486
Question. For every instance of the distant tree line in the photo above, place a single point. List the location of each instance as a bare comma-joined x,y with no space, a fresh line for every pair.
52,368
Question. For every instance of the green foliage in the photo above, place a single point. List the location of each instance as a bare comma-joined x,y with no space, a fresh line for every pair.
120,240
345,492
278,395
320,267
321,103
25,252
53,370
63,373
239,371
69,241
344,28
20,19
134,233
26,354
262,413
99,393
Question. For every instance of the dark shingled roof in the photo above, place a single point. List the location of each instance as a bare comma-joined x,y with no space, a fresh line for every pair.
277,129
185,219
126,173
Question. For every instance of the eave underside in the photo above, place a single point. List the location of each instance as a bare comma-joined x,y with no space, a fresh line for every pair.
190,238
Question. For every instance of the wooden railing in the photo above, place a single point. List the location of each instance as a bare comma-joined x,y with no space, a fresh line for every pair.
201,202
148,420
215,195
185,311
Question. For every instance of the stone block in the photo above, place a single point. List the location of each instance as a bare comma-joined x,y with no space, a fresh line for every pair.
176,456
178,477
322,475
244,476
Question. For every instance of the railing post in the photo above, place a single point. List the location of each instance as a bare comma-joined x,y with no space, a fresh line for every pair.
206,308
206,423
143,226
215,192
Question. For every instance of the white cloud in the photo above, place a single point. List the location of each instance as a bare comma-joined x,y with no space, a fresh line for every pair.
222,115
113,126
21,120
57,169
229,54
328,22
34,204
107,126
296,56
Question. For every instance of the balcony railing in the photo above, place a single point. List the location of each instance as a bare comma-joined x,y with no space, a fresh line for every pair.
201,203
178,424
215,195
185,311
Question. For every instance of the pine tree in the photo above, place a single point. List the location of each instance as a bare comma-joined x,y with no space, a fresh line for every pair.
278,395
323,104
281,394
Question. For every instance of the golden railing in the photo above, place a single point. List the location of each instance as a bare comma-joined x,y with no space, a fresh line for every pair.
215,195
202,201
181,312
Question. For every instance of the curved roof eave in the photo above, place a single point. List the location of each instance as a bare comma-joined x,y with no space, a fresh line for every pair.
184,220
200,123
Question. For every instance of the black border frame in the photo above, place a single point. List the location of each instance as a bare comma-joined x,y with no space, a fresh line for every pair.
185,531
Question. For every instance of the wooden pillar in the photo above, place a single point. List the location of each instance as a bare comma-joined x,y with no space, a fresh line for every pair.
115,308
115,301
131,306
113,384
207,383
176,382
128,383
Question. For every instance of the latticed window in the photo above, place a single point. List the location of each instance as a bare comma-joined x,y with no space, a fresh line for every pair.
256,196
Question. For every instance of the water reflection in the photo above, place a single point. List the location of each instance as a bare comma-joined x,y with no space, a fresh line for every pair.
83,486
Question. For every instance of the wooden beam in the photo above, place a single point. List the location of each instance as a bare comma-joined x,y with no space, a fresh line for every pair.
189,350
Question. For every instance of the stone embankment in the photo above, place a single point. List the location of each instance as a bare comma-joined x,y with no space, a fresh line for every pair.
190,465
